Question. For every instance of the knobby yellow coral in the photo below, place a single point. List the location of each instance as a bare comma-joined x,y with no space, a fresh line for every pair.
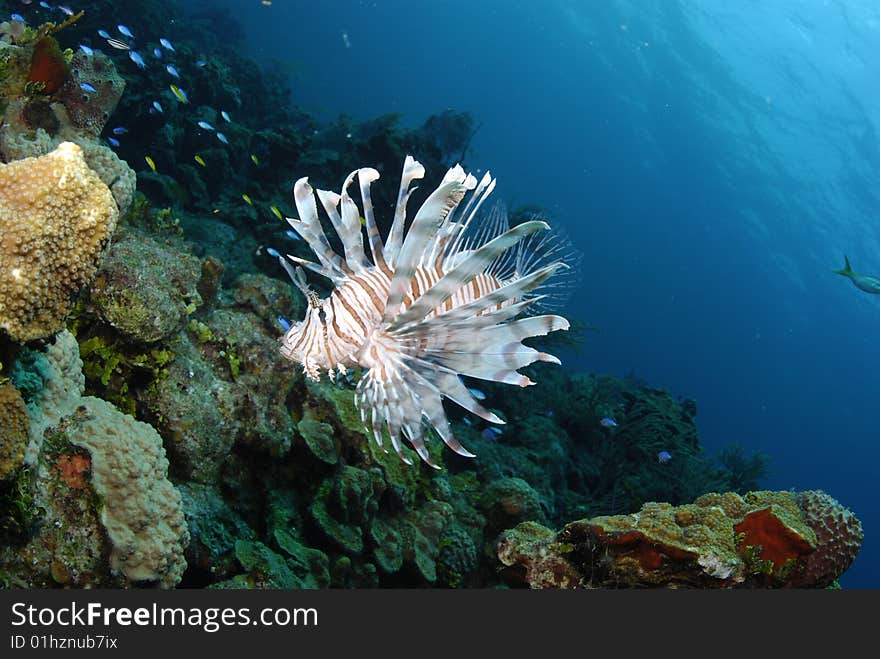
56,217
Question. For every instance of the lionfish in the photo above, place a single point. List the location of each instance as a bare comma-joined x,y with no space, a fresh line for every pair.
436,302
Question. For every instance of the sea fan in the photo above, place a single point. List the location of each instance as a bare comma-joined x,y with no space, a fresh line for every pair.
444,298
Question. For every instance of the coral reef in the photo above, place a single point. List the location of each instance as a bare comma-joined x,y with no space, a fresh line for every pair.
57,217
105,512
14,427
761,539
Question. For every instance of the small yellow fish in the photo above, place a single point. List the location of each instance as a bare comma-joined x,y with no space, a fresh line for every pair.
150,163
362,221
201,161
247,199
178,93
255,159
277,212
267,3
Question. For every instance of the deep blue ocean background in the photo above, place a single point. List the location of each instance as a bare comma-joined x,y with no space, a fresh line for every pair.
713,161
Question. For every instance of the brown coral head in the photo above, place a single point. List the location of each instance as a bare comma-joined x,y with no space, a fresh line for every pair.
48,65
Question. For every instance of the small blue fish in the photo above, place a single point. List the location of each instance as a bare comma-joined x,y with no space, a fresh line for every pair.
285,324
222,138
18,18
271,251
157,53
45,5
225,115
86,49
113,141
103,34
120,130
467,422
205,125
166,44
65,10
125,31
476,393
663,457
293,235
200,63
491,433
158,106
135,57
173,71
86,87
608,422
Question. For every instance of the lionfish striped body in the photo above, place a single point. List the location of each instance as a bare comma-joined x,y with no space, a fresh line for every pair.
435,302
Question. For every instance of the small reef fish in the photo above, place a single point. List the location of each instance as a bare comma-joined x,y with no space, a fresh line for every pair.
173,71
179,93
285,324
118,45
491,433
254,159
225,115
157,53
222,138
271,251
125,31
249,202
150,163
136,57
865,283
200,160
663,457
120,130
65,10
18,18
293,235
103,34
45,5
276,212
200,63
86,49
608,422
86,87
476,393
113,141
166,44
158,107
205,125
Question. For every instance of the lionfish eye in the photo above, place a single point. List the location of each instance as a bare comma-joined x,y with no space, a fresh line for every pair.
322,315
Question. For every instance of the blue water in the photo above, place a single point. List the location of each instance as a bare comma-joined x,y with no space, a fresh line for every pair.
713,161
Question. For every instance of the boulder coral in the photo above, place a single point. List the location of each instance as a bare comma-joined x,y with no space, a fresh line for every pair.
762,539
56,217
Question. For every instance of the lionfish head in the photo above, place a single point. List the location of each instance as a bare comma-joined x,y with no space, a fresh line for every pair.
306,342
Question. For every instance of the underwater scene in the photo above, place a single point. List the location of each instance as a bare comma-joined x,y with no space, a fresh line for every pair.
442,294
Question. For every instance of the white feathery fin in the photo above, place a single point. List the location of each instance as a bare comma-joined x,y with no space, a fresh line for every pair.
353,239
412,169
309,227
350,236
471,265
367,175
426,223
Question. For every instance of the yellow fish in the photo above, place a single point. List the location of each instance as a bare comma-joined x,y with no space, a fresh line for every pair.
201,161
255,159
277,212
178,93
150,163
247,199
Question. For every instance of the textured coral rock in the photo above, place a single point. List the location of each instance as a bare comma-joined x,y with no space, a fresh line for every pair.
141,510
89,111
56,217
13,429
762,539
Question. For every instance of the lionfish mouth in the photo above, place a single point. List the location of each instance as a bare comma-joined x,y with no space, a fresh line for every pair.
449,297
